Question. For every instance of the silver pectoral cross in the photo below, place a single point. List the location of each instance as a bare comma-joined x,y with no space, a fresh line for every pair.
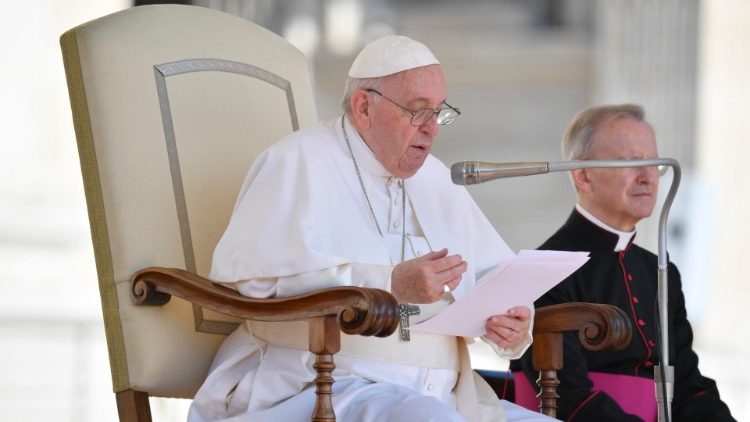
405,311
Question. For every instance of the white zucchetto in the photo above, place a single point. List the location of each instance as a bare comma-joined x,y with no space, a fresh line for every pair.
391,54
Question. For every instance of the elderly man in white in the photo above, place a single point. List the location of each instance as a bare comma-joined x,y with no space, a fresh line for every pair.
360,201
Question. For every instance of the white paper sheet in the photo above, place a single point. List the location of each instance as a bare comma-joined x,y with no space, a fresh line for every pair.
518,280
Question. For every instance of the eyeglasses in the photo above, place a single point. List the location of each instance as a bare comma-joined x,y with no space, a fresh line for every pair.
445,115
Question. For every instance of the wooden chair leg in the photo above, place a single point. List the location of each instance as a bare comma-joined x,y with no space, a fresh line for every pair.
133,406
325,341
548,396
547,358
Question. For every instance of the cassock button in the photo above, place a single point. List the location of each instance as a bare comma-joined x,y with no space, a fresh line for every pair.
630,277
635,299
641,322
651,343
396,224
648,364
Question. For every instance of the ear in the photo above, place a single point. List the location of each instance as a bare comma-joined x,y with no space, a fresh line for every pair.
360,105
581,180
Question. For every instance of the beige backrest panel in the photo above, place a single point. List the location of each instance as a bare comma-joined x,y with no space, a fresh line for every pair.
171,105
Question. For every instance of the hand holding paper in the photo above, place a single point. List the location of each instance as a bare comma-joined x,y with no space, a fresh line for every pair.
518,280
510,329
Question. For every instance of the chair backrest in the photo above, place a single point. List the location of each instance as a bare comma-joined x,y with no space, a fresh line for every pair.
171,105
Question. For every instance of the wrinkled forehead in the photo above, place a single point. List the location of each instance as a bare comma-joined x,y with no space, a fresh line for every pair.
625,137
426,82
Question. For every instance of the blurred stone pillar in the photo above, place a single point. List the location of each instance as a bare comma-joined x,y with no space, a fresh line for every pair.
667,55
646,53
269,14
721,157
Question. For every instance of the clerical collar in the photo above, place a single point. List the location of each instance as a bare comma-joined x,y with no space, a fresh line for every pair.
365,157
623,238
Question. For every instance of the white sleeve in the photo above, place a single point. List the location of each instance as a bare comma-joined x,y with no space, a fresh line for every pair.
351,274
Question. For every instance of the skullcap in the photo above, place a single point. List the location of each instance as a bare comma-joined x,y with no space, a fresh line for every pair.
390,54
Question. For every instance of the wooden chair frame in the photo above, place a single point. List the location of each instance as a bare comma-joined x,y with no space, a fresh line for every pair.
368,312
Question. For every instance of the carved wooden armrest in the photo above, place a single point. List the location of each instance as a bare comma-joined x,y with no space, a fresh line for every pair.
599,327
353,310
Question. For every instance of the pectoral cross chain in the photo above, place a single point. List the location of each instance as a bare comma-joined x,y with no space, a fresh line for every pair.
405,311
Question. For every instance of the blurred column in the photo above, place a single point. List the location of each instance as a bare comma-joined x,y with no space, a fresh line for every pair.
297,21
269,14
721,158
646,53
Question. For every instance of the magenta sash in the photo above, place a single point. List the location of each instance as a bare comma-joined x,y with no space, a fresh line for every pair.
635,395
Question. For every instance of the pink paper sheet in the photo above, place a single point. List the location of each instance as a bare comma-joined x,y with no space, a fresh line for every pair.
518,280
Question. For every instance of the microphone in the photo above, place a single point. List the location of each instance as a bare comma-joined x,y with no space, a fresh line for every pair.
473,172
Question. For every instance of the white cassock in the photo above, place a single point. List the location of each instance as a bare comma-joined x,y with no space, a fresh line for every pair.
302,223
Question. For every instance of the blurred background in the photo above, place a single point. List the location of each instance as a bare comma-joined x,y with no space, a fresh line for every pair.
519,71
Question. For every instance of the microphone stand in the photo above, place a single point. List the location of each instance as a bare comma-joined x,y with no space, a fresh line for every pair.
477,172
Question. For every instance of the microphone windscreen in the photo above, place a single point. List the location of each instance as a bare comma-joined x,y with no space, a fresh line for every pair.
458,173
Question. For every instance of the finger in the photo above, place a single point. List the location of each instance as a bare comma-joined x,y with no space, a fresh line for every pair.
451,274
510,336
494,338
449,266
498,339
502,322
450,285
505,333
445,288
432,256
522,313
453,283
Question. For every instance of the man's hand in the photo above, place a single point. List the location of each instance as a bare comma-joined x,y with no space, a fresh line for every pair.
509,330
421,280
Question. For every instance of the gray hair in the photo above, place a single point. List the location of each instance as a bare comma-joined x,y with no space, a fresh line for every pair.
579,137
355,84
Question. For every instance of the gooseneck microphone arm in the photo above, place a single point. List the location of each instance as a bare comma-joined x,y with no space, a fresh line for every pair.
472,172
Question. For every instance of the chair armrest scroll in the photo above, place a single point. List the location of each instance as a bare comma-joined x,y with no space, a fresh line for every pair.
599,326
363,311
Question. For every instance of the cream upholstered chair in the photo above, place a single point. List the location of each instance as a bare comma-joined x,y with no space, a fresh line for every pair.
171,104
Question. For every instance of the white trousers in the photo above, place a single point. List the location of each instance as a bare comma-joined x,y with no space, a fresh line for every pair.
245,388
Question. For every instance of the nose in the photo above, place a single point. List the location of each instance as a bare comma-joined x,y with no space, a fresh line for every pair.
648,174
430,127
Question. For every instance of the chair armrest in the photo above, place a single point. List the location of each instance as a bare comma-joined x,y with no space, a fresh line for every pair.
353,310
363,311
599,327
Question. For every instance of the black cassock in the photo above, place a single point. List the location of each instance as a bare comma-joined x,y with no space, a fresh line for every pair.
627,279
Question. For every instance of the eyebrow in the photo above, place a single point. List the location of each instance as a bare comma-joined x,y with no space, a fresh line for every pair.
424,100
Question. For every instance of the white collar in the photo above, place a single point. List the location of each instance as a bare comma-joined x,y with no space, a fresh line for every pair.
623,238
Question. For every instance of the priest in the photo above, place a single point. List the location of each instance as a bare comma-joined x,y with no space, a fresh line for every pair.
360,201
610,385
